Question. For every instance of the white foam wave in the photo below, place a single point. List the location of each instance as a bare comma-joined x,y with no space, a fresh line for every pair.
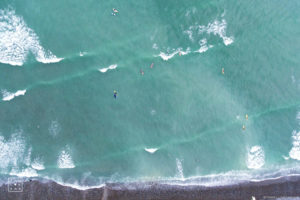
167,56
28,172
179,169
188,50
295,151
17,40
256,157
103,70
49,59
65,160
38,164
11,150
190,34
75,184
217,28
151,150
7,96
203,46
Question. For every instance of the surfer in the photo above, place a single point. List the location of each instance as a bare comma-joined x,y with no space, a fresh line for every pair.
180,53
115,11
244,127
246,116
142,72
223,71
115,94
151,66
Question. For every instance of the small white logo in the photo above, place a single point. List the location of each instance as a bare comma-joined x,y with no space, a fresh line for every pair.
15,185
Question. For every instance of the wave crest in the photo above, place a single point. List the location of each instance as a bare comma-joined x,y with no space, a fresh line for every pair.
17,40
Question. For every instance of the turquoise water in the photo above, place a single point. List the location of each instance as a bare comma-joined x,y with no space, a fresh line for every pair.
59,118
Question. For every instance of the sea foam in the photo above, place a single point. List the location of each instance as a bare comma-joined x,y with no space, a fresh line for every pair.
295,151
7,96
256,157
167,56
203,46
65,160
11,150
179,169
216,28
17,40
54,128
103,70
27,172
38,164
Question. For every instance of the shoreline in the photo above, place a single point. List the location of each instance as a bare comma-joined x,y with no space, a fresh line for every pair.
287,186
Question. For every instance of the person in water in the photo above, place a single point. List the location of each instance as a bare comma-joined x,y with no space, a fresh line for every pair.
142,72
115,11
115,94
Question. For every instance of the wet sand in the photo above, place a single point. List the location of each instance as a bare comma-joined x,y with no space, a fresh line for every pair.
269,189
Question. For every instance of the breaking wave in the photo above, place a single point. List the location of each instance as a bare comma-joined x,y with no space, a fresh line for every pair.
17,40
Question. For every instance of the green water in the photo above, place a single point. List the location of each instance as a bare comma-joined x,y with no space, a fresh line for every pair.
185,107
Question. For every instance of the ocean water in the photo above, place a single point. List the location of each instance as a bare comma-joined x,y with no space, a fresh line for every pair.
181,120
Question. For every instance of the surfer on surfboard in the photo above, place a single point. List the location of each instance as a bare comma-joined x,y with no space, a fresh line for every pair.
115,11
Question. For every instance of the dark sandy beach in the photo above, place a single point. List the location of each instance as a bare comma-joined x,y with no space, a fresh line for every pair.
268,189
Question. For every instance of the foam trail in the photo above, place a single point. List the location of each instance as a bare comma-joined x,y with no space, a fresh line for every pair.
256,157
151,150
27,159
180,169
7,96
103,70
65,160
54,128
28,172
17,40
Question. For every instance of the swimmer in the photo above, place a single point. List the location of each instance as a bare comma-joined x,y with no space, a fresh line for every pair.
151,66
115,94
223,71
246,116
142,72
244,127
115,10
